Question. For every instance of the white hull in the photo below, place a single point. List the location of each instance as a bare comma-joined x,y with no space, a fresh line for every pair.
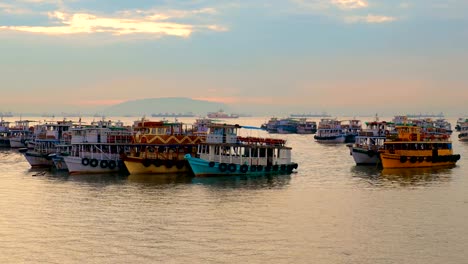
75,166
16,143
364,157
36,160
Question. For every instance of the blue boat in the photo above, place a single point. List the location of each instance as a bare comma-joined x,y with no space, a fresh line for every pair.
226,153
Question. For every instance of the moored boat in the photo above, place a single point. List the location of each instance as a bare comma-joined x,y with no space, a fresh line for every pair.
365,149
463,135
330,131
4,133
159,147
412,148
226,153
98,148
49,138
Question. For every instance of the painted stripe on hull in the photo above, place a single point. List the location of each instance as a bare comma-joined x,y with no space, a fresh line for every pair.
137,167
201,168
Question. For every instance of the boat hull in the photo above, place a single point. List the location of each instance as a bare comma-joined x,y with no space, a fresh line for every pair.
37,160
156,166
364,156
17,143
391,161
204,168
332,139
75,166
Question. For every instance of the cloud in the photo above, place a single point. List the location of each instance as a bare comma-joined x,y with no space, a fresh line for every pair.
369,19
147,22
350,4
327,4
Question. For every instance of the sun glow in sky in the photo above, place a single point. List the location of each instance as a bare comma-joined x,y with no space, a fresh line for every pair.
339,56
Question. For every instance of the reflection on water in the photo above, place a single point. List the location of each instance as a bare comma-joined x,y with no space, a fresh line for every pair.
379,177
245,182
160,179
418,176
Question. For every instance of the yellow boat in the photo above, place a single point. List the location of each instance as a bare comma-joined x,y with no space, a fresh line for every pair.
159,147
413,148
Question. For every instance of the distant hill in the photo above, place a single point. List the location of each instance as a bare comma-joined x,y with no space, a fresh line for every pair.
164,105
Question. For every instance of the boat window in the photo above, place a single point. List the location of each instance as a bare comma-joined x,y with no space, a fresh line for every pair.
262,152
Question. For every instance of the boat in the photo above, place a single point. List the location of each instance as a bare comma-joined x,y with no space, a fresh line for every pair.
49,138
351,129
189,114
221,115
290,126
98,148
411,147
419,116
159,146
463,135
4,133
368,142
6,114
306,127
225,153
20,133
460,121
304,115
330,131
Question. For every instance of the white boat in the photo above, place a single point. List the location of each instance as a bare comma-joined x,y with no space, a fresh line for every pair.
351,129
226,153
365,149
306,127
221,115
49,138
20,133
463,136
4,133
330,131
98,148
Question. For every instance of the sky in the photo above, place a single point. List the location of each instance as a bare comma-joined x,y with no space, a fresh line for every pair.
345,57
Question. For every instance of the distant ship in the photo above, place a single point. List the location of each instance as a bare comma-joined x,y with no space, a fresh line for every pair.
189,114
440,115
221,114
6,114
310,115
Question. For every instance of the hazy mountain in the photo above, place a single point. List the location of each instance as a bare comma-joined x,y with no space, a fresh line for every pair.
164,105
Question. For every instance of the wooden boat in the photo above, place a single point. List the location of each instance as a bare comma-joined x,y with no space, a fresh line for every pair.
413,148
159,147
226,153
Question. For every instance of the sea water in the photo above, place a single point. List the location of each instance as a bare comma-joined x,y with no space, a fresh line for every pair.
330,211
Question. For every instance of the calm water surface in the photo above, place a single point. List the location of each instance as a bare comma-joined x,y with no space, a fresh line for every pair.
330,211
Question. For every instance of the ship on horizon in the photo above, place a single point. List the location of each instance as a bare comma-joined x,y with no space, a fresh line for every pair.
310,115
221,114
439,115
189,114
